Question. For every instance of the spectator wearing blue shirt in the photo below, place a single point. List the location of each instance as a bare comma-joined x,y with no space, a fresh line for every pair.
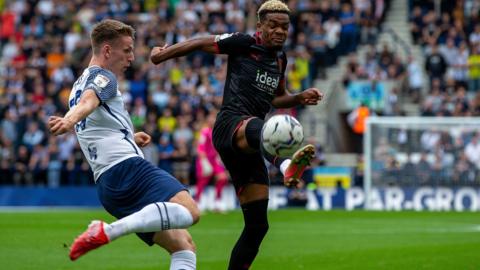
349,33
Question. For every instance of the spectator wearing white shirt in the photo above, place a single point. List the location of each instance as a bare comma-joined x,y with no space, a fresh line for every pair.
71,39
430,140
472,150
449,51
460,65
474,37
415,79
33,136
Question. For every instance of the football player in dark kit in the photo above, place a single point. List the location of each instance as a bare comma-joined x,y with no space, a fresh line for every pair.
255,82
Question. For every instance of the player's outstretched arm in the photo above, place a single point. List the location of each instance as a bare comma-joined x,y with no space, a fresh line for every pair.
161,54
87,104
310,96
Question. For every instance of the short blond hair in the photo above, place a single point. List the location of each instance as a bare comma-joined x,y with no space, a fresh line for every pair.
272,6
109,30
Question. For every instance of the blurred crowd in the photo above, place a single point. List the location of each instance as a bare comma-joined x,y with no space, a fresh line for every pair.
345,27
44,46
444,156
377,65
449,33
448,83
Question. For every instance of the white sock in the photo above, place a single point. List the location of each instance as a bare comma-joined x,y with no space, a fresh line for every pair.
152,218
284,165
183,260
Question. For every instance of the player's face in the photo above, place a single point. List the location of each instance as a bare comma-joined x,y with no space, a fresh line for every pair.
274,30
121,54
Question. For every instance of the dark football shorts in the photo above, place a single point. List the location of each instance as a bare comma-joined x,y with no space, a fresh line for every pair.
133,184
244,168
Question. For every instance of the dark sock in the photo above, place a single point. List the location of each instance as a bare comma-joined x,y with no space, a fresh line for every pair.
275,160
256,226
253,133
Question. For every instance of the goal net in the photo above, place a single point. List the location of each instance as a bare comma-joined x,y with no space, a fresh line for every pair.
438,157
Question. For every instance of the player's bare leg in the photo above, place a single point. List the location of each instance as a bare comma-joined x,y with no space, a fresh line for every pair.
181,247
253,192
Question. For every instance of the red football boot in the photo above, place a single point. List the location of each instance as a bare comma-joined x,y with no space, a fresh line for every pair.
92,238
300,160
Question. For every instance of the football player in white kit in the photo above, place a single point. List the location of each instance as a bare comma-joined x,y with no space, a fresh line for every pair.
145,199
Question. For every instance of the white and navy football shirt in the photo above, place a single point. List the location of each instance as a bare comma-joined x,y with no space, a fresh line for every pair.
106,135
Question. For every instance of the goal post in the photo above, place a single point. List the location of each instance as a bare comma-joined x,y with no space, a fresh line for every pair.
422,163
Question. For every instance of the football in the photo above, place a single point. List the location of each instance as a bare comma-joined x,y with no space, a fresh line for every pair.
282,135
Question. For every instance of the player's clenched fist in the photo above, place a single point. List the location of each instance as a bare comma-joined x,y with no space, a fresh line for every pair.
156,54
142,139
310,96
59,125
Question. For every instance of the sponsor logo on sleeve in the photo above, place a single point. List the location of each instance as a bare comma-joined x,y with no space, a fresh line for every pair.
222,36
101,81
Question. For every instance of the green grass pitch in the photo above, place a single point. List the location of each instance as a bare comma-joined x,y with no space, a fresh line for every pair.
297,239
